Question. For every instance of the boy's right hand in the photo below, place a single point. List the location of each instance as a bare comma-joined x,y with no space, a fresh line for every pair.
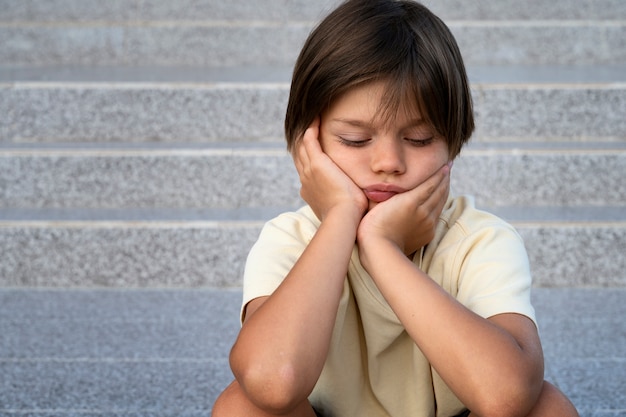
325,186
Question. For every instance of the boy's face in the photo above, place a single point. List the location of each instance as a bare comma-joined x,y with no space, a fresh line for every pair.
383,159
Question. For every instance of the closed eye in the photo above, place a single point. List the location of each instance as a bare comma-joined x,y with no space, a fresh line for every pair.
353,142
421,142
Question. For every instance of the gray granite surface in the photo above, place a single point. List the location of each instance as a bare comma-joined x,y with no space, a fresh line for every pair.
196,179
485,75
125,255
185,10
141,150
240,111
153,254
244,41
543,112
164,352
214,177
141,113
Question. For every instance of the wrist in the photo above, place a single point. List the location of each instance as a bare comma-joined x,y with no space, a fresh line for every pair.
345,213
376,248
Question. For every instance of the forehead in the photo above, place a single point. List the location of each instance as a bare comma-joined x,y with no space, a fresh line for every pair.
375,103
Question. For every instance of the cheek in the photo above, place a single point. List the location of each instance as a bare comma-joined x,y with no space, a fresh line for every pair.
353,164
332,148
347,161
439,156
426,164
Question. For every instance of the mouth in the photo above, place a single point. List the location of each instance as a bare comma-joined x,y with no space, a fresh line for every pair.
382,192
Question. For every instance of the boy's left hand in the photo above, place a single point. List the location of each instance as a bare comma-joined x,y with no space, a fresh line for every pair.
408,220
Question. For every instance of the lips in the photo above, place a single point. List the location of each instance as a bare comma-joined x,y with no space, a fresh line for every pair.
382,192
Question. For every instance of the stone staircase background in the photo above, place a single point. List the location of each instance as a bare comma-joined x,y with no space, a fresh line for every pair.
141,151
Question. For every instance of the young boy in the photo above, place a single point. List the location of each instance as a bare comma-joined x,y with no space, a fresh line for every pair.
384,296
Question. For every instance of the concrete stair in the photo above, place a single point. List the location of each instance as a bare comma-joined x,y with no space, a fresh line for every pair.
141,148
156,352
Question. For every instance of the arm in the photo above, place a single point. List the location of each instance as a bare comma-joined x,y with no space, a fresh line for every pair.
495,365
283,343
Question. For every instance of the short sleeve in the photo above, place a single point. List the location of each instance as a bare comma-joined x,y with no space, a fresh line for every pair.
280,244
494,272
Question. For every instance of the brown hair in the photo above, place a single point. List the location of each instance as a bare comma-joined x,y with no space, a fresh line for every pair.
400,42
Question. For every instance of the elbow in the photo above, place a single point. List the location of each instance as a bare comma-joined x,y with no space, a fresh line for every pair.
516,398
273,392
503,407
274,389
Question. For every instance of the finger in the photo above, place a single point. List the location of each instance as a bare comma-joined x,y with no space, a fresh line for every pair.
310,140
307,150
443,193
310,137
437,199
440,186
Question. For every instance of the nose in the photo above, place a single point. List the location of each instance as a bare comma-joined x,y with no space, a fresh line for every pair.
388,156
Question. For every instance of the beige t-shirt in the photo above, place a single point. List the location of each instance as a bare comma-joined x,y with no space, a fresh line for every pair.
373,367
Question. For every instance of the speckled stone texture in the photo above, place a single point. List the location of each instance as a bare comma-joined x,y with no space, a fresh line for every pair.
123,353
543,112
141,113
156,10
539,43
165,352
213,44
526,177
576,255
584,341
220,34
217,179
126,254
180,112
141,151
257,177
132,10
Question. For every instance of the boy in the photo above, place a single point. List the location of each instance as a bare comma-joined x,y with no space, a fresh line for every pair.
429,313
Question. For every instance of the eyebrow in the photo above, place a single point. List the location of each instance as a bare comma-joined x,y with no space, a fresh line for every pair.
368,125
353,122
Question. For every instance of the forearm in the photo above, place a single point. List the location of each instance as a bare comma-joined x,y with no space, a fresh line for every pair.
283,345
479,360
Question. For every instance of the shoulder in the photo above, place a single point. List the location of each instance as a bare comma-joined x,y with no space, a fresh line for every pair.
461,223
468,234
281,242
481,260
282,238
461,214
299,225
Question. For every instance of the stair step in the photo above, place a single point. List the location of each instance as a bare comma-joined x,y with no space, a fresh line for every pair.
185,10
578,174
207,216
200,111
531,175
44,11
141,112
220,43
124,254
186,254
183,178
210,217
532,75
164,352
